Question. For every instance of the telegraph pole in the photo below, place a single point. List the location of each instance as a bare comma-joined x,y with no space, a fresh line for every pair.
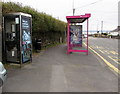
73,9
97,28
101,27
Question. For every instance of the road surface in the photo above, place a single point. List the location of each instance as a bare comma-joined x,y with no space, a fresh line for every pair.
107,48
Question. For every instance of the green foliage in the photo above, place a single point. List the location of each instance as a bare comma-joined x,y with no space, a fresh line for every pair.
105,34
44,26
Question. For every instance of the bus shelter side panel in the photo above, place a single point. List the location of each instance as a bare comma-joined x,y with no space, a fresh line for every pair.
68,37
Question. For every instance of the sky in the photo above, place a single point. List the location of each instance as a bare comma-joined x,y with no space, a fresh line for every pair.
101,10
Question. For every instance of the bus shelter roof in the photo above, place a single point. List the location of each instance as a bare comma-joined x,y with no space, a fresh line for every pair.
78,19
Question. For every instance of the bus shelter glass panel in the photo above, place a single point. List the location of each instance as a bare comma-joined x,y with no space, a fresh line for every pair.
76,35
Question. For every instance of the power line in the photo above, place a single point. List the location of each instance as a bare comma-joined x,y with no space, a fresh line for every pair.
84,5
89,4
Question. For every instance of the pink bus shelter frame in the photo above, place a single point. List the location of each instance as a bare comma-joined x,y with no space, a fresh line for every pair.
76,19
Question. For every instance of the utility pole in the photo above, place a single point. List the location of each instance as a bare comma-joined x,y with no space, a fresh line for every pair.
101,27
97,27
73,9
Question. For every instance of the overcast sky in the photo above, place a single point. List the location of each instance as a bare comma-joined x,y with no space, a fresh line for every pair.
101,10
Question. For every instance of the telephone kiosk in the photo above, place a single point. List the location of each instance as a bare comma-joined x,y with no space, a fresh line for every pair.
17,41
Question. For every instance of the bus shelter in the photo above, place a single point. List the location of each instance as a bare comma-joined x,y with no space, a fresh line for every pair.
75,33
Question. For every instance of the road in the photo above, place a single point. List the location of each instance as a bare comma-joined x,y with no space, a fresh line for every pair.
55,71
107,48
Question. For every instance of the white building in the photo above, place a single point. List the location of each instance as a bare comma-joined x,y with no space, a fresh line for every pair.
114,33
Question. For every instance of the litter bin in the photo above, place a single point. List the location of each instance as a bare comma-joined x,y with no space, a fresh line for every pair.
38,44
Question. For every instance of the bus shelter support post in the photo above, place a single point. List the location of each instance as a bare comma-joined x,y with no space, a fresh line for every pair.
87,36
68,37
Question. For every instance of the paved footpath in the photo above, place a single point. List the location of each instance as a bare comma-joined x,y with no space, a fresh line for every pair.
55,71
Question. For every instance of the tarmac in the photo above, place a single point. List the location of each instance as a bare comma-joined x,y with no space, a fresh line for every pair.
53,70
